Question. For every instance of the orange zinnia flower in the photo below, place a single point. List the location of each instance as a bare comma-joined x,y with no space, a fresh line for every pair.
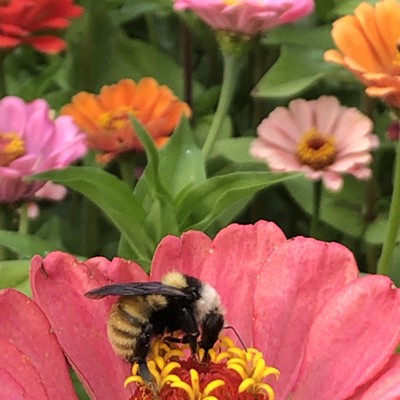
105,117
369,46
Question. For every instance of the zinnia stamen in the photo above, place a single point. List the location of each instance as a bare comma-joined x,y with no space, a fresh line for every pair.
231,372
11,148
115,120
316,149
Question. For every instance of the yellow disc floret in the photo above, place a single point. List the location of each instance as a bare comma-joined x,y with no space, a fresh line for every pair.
316,149
229,373
12,147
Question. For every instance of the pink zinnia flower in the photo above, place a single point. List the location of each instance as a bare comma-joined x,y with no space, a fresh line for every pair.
331,335
319,137
31,142
249,17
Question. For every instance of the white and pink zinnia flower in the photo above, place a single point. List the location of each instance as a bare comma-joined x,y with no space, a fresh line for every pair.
319,137
331,334
248,17
31,142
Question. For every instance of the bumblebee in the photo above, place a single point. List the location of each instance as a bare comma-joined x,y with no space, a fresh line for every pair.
146,309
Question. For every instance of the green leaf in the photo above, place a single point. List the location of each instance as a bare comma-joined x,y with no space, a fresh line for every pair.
113,197
160,216
307,37
181,160
15,274
235,150
340,210
376,231
347,6
198,206
26,246
297,69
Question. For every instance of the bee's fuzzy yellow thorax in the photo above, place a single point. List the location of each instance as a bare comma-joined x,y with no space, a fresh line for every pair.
175,279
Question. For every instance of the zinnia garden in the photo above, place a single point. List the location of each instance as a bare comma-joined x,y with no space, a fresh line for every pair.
199,200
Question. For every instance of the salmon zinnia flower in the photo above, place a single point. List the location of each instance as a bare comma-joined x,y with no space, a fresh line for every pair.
32,21
319,137
105,117
299,302
369,46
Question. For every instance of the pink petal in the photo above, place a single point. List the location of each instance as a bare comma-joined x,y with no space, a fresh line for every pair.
186,254
237,256
117,270
387,386
351,340
59,282
327,111
30,352
297,279
332,180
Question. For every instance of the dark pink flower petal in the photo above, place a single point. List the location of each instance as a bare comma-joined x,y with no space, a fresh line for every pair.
351,340
186,254
297,279
59,282
32,365
117,270
387,386
237,256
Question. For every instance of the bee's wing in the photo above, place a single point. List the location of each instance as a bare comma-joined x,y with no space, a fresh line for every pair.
135,289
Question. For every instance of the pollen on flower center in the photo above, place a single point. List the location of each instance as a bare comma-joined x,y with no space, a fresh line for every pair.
316,150
230,373
115,120
11,148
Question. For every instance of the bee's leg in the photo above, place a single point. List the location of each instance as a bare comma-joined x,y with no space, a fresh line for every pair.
172,339
191,330
142,350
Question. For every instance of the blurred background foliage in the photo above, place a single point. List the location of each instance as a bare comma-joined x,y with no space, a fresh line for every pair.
124,39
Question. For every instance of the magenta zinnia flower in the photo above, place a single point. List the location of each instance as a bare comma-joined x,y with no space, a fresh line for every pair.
331,335
248,17
31,142
319,137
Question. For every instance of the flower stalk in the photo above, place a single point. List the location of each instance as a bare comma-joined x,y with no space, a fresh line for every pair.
232,66
317,195
23,219
384,263
3,88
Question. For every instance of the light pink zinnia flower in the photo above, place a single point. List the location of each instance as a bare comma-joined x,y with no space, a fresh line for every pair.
31,142
332,335
319,137
249,17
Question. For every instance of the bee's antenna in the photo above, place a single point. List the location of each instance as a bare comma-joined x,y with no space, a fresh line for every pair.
237,335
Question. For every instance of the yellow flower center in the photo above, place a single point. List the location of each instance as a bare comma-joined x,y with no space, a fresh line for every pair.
230,373
232,2
11,148
115,120
316,149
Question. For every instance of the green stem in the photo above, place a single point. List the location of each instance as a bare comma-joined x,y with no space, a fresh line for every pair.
316,208
151,25
126,164
3,226
385,260
232,65
3,88
23,219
